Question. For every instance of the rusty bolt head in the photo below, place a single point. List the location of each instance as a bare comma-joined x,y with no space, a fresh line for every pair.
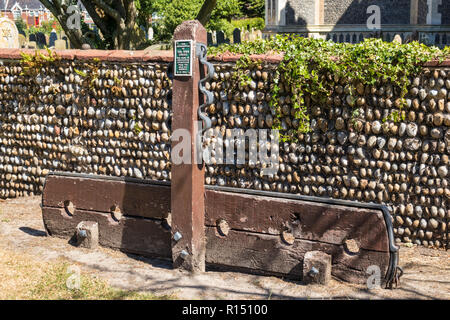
177,236
82,233
184,254
313,272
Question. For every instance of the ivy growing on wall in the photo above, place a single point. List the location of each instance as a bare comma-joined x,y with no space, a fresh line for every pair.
312,67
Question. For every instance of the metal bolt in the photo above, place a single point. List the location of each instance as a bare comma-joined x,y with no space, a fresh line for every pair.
177,236
184,254
82,233
313,272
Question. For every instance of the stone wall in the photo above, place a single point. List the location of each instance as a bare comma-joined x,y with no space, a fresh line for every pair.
300,12
403,165
355,12
120,125
58,122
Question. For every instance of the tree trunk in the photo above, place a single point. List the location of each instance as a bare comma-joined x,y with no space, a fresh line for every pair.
205,12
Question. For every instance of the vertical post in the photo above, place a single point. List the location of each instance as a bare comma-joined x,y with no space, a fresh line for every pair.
187,203
414,12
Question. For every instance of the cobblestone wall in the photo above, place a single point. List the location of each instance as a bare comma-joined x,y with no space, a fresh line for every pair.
403,165
118,124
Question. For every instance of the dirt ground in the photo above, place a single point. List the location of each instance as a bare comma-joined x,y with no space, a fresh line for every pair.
427,271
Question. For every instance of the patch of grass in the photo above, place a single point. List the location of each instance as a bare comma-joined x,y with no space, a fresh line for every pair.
6,220
25,278
55,283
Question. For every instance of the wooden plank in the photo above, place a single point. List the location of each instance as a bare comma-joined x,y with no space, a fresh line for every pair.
93,194
134,235
306,220
267,254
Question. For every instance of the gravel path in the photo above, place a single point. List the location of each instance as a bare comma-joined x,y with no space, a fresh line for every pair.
427,271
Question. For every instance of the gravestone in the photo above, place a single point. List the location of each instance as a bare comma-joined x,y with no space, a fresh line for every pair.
259,34
22,41
150,34
41,40
32,45
209,39
237,35
60,45
53,38
67,42
246,36
9,35
220,38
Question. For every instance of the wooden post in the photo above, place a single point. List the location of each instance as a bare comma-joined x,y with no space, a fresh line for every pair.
187,199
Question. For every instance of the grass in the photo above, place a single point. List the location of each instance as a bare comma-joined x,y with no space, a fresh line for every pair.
24,278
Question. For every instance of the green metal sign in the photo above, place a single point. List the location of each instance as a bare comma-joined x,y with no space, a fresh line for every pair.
183,58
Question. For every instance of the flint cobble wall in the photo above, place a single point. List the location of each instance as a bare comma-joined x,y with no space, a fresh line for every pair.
119,124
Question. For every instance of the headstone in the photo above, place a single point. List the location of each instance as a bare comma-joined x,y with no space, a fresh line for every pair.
237,35
22,41
150,34
259,34
220,38
246,36
68,45
397,39
9,35
209,39
60,45
40,39
32,45
53,38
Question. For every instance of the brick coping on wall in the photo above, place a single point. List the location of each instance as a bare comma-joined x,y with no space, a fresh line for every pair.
155,55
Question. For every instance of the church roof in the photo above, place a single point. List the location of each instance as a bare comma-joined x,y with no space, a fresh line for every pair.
29,4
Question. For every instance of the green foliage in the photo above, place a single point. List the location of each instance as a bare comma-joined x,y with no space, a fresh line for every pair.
145,10
253,8
34,63
46,27
228,27
226,9
255,23
175,12
311,68
21,25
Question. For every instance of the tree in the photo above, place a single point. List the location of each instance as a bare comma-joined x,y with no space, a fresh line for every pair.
210,13
205,11
118,20
21,25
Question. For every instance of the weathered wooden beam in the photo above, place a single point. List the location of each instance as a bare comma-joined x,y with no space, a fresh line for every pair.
147,237
104,194
187,204
304,220
268,254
